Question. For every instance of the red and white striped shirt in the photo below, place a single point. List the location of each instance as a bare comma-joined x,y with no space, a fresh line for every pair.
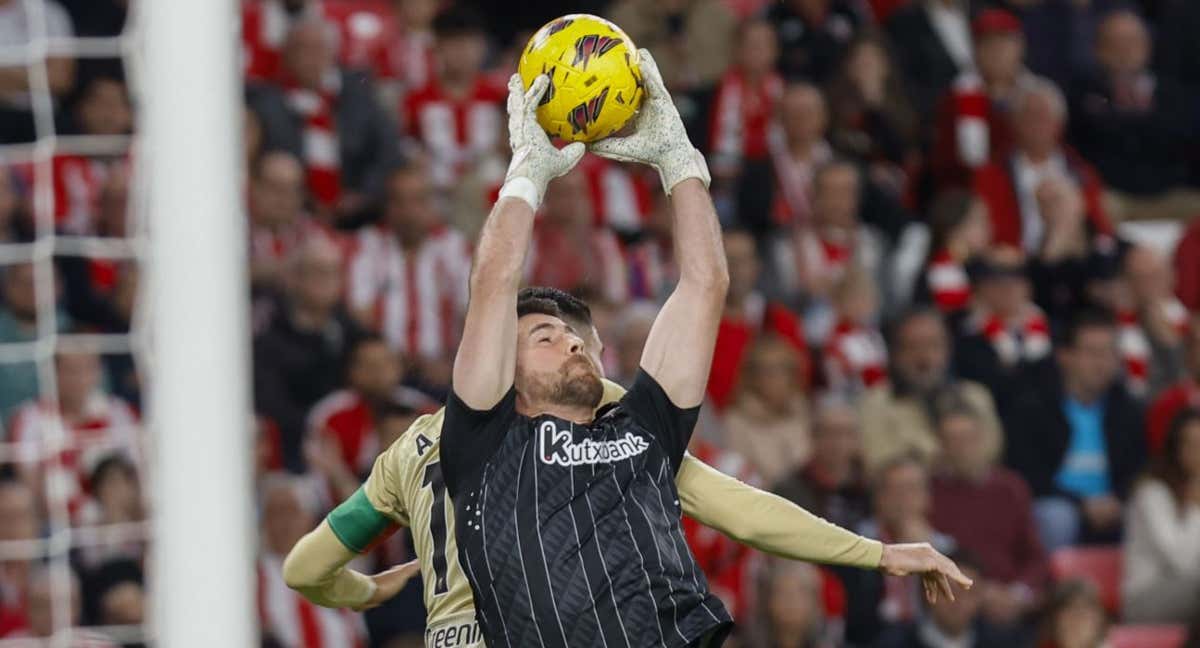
855,357
78,185
1134,345
457,131
66,455
346,416
295,622
742,115
415,296
408,58
622,198
366,30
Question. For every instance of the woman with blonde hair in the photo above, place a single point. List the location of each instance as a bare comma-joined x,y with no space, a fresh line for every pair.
768,423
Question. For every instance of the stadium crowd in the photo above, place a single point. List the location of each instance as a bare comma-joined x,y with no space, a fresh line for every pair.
952,316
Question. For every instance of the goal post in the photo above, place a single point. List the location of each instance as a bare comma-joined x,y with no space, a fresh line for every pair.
198,395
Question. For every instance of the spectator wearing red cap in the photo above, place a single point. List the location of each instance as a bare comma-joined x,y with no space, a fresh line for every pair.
932,40
972,125
1011,182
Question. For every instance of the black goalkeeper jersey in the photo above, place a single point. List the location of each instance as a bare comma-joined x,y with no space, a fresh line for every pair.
570,534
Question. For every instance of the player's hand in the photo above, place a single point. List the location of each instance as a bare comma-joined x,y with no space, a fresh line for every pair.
535,161
389,583
936,570
659,138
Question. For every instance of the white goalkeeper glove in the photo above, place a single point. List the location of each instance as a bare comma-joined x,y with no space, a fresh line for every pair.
535,161
659,138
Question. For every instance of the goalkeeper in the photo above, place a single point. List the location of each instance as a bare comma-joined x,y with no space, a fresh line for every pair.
406,488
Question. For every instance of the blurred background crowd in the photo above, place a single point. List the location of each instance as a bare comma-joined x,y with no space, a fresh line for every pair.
965,272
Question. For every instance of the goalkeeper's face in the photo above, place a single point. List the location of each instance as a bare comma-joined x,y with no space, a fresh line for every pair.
553,365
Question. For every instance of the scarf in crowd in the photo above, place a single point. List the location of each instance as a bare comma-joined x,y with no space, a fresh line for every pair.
856,356
321,148
949,285
1027,340
1134,344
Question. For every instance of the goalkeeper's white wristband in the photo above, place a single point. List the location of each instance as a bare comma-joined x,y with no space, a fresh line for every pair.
681,165
523,188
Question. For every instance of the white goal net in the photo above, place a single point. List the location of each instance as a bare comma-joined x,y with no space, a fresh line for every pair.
124,476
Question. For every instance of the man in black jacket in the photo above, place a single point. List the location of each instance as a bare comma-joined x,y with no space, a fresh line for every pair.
1077,437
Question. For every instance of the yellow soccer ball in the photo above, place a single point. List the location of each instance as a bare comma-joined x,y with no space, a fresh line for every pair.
595,82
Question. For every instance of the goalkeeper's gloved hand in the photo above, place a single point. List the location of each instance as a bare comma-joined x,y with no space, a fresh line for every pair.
659,138
535,161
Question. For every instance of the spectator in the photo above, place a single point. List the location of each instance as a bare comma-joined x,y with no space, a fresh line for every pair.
813,36
45,599
1077,438
972,124
116,499
897,418
791,613
569,251
831,484
872,119
265,24
692,40
956,623
300,356
19,324
1133,124
748,314
635,323
17,32
93,423
343,437
959,234
276,206
989,511
622,196
409,58
1184,394
1074,617
114,594
743,111
1005,341
855,355
1161,578
457,114
933,47
328,118
768,422
286,513
799,152
1009,185
101,106
20,514
1153,326
16,217
408,275
901,504
834,242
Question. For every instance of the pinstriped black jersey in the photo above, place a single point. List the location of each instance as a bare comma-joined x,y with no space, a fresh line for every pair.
570,534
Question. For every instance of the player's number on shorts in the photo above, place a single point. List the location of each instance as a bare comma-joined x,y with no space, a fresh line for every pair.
437,524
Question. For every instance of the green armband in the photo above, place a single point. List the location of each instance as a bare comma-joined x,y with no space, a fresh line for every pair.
358,525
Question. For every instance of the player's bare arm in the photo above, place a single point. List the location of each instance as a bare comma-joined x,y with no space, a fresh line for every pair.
485,365
678,351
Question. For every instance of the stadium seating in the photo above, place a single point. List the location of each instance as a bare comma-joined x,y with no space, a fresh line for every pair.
1147,636
1100,565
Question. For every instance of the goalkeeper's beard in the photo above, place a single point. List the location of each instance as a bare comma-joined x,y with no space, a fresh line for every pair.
575,384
